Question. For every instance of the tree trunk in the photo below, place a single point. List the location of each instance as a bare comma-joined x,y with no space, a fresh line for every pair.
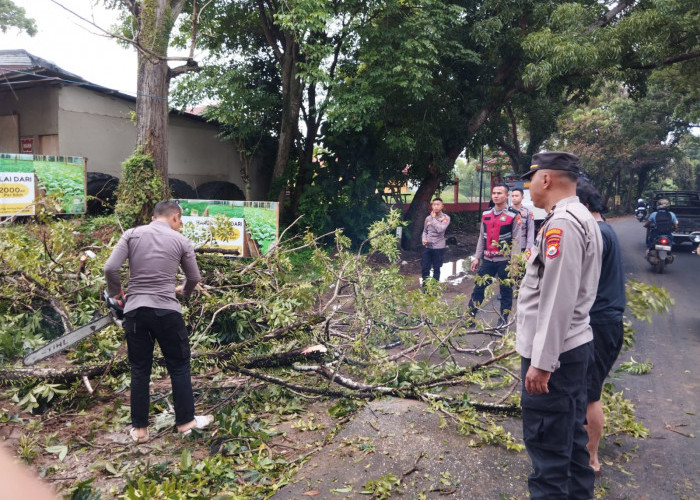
305,172
292,89
155,20
152,111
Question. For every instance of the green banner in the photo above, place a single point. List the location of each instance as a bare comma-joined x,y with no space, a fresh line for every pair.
244,227
24,179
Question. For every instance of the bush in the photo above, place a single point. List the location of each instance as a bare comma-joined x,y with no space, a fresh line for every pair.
140,188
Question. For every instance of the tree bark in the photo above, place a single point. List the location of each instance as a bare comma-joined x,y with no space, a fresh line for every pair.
305,172
152,111
155,19
292,90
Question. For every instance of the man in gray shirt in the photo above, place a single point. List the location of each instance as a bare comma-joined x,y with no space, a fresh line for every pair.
434,241
153,313
554,336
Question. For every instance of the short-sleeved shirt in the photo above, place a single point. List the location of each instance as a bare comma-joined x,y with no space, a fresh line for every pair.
155,252
652,218
560,285
610,300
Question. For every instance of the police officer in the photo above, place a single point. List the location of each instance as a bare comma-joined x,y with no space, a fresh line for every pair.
434,229
554,336
526,220
499,226
153,313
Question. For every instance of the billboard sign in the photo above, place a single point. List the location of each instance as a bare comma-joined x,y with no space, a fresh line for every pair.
24,178
244,228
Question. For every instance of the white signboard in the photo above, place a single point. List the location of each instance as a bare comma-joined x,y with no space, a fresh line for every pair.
215,232
16,193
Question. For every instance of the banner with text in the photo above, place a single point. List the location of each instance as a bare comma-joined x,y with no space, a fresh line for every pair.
244,228
24,178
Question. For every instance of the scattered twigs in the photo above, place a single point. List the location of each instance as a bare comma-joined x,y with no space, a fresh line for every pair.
415,466
297,387
672,428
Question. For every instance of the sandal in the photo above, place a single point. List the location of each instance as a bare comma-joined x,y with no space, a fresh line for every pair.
135,438
201,422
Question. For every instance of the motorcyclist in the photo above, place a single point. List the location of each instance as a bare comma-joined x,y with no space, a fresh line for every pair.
663,221
641,203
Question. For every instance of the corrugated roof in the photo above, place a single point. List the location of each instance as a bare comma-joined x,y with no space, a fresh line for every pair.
20,69
21,59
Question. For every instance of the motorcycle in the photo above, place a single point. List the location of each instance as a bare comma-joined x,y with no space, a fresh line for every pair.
640,213
659,255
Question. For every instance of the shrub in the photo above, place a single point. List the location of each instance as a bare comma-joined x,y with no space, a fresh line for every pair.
140,188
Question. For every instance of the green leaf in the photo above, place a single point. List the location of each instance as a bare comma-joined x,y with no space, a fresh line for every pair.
60,450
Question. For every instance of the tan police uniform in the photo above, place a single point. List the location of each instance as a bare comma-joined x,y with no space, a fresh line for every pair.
560,284
553,334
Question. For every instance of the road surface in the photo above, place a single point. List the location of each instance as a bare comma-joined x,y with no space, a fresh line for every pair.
434,461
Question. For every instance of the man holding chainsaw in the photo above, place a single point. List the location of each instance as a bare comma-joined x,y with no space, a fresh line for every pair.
153,313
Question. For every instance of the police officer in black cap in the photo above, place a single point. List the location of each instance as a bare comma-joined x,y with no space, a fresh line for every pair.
554,336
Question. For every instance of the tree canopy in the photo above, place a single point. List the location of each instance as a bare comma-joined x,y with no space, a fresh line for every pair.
394,91
13,16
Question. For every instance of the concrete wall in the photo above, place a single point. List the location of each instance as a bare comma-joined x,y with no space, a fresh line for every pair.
97,127
36,108
196,155
100,128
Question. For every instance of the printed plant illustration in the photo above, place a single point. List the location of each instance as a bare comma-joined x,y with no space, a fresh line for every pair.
62,178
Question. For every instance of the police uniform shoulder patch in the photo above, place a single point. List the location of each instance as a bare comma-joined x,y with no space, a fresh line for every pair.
552,241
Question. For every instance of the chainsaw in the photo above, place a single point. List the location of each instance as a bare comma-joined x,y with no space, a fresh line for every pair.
114,315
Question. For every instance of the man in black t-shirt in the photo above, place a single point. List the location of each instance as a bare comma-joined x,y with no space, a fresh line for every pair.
606,319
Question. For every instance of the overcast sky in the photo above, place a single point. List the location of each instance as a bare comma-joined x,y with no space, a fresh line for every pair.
74,45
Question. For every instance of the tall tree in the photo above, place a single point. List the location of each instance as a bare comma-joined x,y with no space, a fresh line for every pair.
520,47
623,143
149,27
297,45
13,16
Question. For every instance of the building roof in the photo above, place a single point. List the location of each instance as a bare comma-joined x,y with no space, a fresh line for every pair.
19,70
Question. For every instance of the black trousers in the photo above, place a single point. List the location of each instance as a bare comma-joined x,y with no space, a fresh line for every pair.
431,258
143,328
495,270
553,430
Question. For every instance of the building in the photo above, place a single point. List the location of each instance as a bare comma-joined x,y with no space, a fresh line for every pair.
45,110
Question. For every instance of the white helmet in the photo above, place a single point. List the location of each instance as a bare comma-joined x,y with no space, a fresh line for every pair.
663,203
640,200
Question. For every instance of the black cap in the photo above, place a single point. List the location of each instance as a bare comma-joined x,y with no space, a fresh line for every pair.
553,160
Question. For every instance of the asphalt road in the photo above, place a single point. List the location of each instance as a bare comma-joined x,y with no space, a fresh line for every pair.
667,464
434,461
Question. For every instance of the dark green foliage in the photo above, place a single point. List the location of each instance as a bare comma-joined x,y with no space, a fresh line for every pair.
140,188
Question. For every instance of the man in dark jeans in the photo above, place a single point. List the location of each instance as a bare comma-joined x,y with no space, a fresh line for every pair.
499,227
153,313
